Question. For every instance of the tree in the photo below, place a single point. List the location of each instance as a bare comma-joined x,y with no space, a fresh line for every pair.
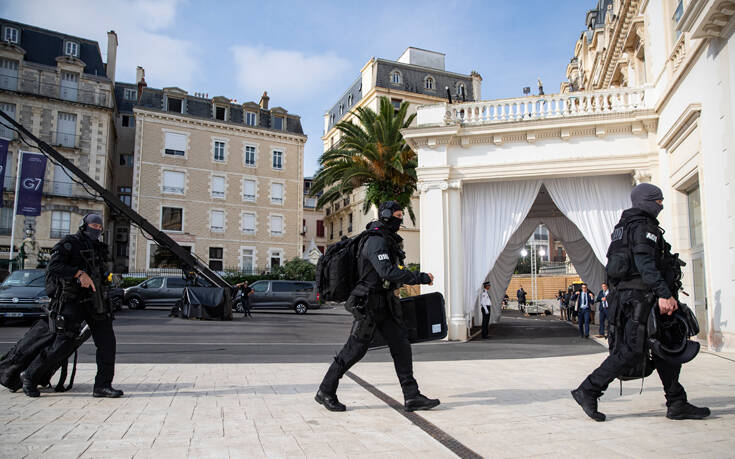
371,153
295,269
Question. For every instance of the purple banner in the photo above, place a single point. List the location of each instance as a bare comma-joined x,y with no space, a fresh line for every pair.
3,163
32,171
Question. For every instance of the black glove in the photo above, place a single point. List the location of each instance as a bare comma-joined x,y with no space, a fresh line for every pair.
424,278
355,305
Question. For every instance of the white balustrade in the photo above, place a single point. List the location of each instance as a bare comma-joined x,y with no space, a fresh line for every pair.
619,100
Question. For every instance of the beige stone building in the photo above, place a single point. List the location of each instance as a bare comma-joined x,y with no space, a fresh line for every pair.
417,77
222,178
315,236
59,88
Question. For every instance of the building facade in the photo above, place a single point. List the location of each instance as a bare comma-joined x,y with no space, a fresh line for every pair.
650,97
315,237
417,77
60,89
224,179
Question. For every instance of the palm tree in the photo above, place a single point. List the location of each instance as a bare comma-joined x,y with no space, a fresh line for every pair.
372,153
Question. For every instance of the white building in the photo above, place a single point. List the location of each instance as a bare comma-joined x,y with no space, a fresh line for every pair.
650,98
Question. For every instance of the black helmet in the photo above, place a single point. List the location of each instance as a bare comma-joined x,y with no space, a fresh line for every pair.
386,209
668,336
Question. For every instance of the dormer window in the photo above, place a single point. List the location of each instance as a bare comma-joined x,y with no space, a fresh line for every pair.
220,113
429,83
341,109
71,48
11,35
174,104
349,100
130,94
460,90
278,123
395,77
250,118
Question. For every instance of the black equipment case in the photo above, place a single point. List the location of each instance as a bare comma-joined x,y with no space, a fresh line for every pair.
425,318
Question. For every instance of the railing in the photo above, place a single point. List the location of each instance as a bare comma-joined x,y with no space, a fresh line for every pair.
34,86
55,188
174,272
309,203
541,107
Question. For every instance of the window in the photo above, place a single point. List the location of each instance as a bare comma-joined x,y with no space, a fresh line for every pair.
247,260
173,182
219,113
162,258
320,228
130,94
124,193
250,118
174,105
276,259
341,221
341,109
172,219
60,222
66,130
71,48
349,223
11,35
678,12
349,100
128,121
121,249
9,182
396,104
248,190
126,160
248,222
278,123
277,193
8,74
277,159
216,255
6,132
694,205
62,184
218,187
395,77
460,90
331,230
219,150
276,225
249,155
217,220
175,144
429,83
175,282
156,282
6,220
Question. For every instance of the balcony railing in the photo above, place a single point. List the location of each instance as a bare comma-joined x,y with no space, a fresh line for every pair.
309,203
55,188
98,96
537,107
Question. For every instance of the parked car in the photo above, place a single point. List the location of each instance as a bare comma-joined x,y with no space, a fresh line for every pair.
23,294
157,291
282,294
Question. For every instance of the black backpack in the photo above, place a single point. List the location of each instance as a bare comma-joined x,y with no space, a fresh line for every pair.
35,343
336,270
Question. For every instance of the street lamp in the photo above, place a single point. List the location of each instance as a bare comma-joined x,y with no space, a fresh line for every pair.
524,252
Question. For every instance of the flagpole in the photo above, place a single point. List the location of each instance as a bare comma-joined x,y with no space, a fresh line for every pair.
15,209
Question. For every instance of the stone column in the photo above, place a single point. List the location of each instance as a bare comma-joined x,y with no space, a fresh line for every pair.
442,252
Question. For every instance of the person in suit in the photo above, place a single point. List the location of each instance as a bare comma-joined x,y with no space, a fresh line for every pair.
571,314
521,296
602,299
583,301
485,304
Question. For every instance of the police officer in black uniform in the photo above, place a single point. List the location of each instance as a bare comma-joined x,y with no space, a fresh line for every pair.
78,266
375,306
640,284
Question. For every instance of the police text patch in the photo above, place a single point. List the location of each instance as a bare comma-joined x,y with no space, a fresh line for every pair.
383,257
652,237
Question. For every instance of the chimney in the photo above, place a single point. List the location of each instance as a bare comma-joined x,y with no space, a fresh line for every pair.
264,100
476,85
140,79
111,55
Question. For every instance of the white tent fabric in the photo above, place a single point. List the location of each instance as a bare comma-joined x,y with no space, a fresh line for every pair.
594,204
491,213
495,228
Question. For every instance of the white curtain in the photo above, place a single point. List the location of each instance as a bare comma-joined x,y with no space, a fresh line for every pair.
579,250
594,204
491,214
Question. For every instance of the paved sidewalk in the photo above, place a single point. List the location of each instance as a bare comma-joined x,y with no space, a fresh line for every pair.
498,408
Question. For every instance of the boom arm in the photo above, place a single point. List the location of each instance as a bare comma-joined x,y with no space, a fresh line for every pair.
163,239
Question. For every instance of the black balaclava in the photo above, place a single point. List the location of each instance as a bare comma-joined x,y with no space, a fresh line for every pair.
91,233
385,215
644,197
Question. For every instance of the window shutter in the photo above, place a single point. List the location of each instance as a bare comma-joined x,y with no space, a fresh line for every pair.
175,141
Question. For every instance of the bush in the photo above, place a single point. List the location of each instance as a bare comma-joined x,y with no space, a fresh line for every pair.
296,269
131,281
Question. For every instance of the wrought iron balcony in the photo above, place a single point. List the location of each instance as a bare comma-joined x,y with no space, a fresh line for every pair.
98,96
58,188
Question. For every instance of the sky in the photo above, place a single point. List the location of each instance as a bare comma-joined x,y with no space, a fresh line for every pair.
307,53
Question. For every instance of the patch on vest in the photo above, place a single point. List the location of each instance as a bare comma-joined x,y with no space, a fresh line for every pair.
652,237
383,257
617,234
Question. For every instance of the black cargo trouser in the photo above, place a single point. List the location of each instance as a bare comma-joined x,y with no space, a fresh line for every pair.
381,314
632,349
102,334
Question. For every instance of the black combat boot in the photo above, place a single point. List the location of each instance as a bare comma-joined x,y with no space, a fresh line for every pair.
588,402
107,392
329,401
29,387
420,402
682,410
